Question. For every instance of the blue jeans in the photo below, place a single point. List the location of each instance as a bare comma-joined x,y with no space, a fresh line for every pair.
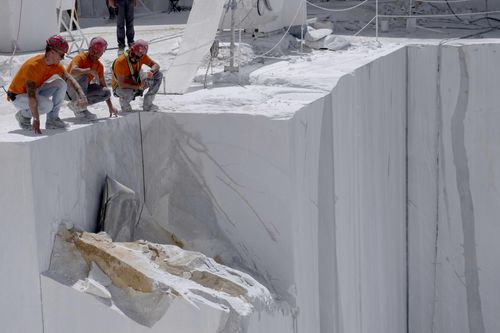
125,19
49,96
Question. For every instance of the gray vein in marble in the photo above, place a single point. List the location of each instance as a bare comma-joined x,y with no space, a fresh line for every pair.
474,311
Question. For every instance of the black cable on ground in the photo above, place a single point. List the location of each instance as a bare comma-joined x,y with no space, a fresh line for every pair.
453,12
478,33
488,20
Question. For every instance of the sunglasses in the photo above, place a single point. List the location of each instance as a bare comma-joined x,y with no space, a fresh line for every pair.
134,56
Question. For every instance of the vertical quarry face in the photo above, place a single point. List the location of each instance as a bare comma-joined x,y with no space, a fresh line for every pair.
452,188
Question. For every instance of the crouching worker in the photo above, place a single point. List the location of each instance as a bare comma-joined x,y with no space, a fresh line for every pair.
129,81
86,68
39,87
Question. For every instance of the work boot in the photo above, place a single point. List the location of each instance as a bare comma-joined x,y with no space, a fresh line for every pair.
121,49
85,115
125,105
55,123
24,123
148,104
81,114
75,108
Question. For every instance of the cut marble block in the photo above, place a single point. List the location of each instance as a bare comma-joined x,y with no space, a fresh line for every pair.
196,42
453,244
312,203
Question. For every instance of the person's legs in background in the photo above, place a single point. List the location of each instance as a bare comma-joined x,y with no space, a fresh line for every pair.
120,26
129,19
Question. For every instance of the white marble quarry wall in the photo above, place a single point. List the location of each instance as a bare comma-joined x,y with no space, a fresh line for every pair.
19,22
321,193
19,278
453,197
369,173
220,183
422,184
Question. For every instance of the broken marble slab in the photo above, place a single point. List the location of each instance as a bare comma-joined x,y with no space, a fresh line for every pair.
141,280
198,37
120,209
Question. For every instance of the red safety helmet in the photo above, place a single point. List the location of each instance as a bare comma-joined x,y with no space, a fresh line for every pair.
140,47
97,45
58,43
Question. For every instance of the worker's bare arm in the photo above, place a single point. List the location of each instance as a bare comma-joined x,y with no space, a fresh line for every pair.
82,101
33,106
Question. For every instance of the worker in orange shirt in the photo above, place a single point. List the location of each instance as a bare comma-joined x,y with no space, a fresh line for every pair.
129,81
85,68
40,85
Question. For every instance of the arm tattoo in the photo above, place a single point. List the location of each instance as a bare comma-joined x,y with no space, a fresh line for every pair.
31,89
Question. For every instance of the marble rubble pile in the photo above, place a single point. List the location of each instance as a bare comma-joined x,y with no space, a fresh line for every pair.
141,279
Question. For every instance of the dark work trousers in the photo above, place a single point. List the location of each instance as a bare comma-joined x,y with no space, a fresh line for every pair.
125,20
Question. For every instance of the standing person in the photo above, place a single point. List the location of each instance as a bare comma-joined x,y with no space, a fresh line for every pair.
129,81
85,68
40,85
125,20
